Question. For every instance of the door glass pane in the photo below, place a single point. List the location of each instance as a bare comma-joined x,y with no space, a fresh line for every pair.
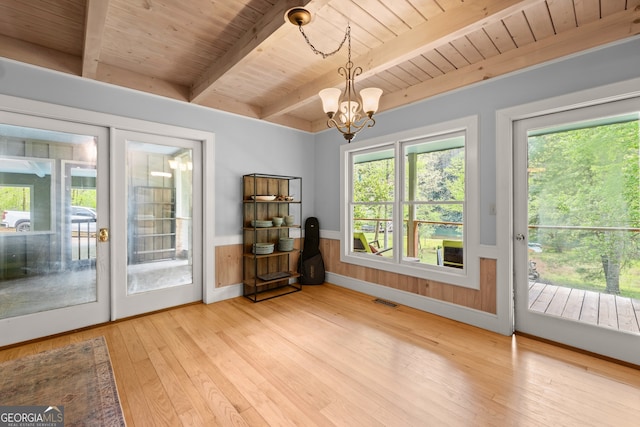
584,221
160,217
47,233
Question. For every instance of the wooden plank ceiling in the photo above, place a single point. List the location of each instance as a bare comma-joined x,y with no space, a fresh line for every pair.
242,56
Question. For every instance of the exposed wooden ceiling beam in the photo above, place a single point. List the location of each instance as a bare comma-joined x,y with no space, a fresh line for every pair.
132,80
30,53
96,17
612,28
252,38
446,27
224,103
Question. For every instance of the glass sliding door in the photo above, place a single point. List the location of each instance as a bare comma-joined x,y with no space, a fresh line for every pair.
161,266
577,209
52,185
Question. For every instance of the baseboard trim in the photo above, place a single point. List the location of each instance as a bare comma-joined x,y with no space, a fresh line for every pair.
223,293
466,315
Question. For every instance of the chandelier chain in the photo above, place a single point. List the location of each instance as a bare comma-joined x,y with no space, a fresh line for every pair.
349,46
324,55
345,109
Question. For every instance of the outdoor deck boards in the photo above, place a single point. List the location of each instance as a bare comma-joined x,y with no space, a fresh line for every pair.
573,306
608,316
606,310
589,313
559,301
544,299
534,291
627,315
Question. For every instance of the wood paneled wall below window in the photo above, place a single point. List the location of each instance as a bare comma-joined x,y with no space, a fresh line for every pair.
229,272
483,299
228,265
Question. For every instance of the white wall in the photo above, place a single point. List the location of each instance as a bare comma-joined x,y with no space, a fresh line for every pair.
597,67
242,145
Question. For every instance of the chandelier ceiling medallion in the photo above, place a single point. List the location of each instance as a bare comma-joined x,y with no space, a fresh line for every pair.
347,112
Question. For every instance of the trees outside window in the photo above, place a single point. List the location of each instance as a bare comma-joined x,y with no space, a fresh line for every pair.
373,194
584,204
433,198
407,198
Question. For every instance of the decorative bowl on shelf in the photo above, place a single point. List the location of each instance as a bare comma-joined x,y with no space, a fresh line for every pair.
261,224
289,220
263,248
285,244
277,221
268,198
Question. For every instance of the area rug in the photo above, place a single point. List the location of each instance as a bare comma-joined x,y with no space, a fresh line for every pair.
78,377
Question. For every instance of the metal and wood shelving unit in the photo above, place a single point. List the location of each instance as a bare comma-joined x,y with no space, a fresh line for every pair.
274,274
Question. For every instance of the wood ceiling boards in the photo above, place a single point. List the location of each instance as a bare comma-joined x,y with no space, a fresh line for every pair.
242,56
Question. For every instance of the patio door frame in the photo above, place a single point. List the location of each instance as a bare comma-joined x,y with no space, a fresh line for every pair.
38,109
125,304
512,203
48,322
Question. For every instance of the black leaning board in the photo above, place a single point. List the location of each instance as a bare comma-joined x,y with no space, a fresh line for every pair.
311,265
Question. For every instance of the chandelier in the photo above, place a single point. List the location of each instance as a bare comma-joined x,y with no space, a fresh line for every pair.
347,112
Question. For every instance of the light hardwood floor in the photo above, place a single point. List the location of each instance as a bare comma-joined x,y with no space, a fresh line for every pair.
330,356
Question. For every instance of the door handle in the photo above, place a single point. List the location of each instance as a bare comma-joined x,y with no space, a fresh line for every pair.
519,236
103,235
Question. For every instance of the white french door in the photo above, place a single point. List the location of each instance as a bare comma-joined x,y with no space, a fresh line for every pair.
54,196
157,222
576,228
97,227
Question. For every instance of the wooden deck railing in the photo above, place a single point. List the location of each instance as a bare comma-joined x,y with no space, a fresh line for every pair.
414,247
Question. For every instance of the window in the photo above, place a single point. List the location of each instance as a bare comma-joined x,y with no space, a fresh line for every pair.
373,180
410,203
27,185
16,205
433,200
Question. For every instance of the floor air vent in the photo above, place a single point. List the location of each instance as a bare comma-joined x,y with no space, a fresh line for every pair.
385,302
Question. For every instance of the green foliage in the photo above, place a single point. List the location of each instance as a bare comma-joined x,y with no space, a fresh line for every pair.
19,198
373,181
83,197
587,178
15,198
440,179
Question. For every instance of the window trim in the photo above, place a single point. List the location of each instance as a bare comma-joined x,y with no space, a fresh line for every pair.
469,276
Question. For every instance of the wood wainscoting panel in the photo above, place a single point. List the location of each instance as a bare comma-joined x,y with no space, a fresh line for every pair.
229,272
488,285
483,299
228,265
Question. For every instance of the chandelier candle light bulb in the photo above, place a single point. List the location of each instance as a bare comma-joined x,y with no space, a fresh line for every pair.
330,100
370,100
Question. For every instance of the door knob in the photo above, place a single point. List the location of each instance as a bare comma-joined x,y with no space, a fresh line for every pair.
103,235
519,236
